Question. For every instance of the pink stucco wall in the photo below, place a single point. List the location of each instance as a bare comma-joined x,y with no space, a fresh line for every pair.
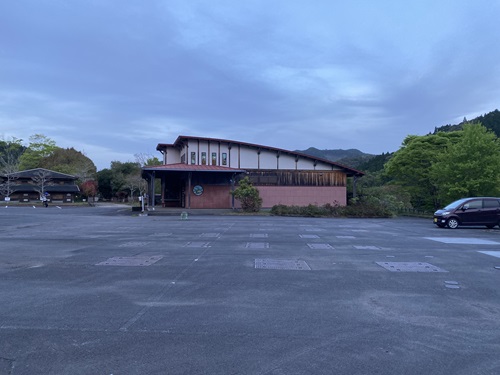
301,195
214,196
220,197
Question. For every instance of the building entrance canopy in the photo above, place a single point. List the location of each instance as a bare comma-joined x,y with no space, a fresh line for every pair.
181,182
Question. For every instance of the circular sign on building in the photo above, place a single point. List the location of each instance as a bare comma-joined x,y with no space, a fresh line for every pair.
198,190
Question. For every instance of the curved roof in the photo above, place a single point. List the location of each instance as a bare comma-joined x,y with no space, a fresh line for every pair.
29,173
184,138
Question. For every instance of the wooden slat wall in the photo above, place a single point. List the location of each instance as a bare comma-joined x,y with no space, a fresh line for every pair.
298,178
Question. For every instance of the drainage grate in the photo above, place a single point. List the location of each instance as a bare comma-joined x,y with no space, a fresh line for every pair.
259,235
308,236
134,244
257,245
320,246
410,267
367,247
197,244
452,284
131,261
282,264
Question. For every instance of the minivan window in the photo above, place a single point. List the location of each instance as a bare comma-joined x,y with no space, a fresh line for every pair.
474,204
455,204
491,203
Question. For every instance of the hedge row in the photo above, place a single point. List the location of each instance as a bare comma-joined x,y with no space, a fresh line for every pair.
358,209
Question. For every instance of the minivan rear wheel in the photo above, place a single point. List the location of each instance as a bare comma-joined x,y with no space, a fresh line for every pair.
452,223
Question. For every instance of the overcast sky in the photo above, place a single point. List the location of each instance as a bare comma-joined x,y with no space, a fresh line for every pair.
113,78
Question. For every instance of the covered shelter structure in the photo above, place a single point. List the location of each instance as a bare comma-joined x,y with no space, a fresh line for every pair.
200,172
30,184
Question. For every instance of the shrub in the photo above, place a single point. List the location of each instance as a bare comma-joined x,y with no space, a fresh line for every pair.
248,195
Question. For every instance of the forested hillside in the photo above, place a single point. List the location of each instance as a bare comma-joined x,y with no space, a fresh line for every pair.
490,121
351,157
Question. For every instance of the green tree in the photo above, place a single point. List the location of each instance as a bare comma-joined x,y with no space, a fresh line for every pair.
10,152
70,161
410,166
248,195
115,182
104,181
39,147
469,167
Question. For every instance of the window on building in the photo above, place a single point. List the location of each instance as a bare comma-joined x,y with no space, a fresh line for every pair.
193,158
214,158
203,158
224,158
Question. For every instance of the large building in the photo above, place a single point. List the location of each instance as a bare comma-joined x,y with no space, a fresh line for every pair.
28,185
200,172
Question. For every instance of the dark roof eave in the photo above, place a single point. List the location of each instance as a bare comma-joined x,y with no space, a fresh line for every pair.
153,169
349,171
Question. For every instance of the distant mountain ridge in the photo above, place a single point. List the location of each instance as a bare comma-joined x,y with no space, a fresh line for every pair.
490,121
351,157
357,159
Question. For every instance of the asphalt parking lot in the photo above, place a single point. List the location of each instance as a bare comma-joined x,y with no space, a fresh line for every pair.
98,291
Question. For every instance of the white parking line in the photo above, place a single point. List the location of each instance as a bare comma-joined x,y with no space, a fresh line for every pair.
465,241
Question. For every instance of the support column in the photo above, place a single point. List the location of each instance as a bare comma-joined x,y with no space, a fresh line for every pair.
152,190
163,190
354,181
189,190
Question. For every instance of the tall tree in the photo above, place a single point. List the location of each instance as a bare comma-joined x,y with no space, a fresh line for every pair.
70,161
146,160
10,152
39,147
113,181
104,179
410,166
41,180
470,166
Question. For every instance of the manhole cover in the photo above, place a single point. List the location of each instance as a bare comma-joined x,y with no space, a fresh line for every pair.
197,244
257,245
282,264
320,246
410,267
367,247
131,261
134,244
308,236
259,235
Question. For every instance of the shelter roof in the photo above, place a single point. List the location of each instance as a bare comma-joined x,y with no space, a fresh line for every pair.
29,173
